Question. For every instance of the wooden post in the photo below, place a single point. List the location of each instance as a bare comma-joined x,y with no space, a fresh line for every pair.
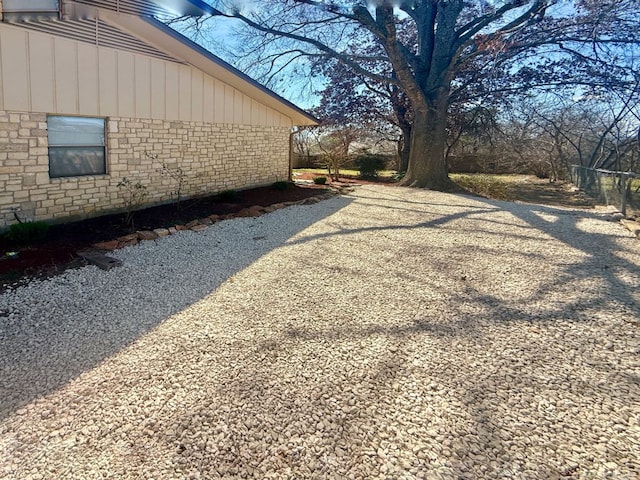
623,189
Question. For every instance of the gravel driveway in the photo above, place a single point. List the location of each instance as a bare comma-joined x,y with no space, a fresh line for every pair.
389,333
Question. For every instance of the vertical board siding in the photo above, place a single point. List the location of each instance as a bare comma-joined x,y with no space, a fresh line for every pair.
208,113
260,112
41,75
142,76
15,69
184,93
197,95
108,73
88,81
228,104
172,88
126,84
158,89
237,106
246,110
219,104
46,73
66,68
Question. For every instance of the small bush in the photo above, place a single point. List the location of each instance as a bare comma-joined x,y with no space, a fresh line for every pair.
228,195
398,176
281,185
320,180
370,165
28,232
133,195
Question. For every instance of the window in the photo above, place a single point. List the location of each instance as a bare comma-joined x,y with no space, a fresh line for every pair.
76,146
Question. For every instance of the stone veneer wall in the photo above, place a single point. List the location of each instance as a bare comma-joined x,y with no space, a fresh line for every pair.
214,157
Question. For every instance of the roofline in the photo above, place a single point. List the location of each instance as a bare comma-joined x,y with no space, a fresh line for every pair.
203,7
217,60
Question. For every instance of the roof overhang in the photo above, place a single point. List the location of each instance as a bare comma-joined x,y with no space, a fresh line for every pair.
192,8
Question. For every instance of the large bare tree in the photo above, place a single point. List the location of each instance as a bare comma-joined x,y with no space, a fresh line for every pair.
520,37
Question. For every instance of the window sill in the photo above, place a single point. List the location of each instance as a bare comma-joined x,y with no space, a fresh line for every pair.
80,177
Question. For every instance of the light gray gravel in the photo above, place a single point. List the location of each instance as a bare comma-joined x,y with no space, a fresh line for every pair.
390,333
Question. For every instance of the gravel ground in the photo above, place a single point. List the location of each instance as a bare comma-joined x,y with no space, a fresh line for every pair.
389,333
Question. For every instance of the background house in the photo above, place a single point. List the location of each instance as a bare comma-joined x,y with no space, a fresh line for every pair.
93,91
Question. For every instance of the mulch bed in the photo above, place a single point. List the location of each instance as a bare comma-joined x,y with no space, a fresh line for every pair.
59,251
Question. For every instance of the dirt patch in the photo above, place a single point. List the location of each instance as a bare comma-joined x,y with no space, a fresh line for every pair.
561,194
59,251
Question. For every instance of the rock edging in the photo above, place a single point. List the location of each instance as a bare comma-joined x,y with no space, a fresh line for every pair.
203,223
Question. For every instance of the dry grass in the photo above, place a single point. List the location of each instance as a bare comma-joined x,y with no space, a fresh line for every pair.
499,187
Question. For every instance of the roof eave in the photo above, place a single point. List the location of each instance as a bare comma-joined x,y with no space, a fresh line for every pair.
191,8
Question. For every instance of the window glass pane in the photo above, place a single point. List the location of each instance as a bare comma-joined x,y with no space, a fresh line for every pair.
75,131
30,5
75,161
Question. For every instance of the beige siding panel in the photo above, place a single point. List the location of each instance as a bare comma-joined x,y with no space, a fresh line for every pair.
271,117
41,73
126,85
197,97
246,110
285,121
88,83
108,73
142,75
228,104
158,89
208,114
15,69
237,106
46,73
66,68
172,91
218,99
184,93
259,113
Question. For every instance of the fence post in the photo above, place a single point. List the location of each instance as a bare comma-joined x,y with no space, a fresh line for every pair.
623,190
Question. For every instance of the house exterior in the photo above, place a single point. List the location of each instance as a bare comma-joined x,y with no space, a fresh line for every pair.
95,91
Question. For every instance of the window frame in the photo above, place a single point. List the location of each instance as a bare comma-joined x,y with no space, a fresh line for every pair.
71,147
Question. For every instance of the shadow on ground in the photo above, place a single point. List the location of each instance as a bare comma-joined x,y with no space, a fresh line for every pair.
65,325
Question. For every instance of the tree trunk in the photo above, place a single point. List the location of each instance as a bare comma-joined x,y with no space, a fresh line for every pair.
427,163
404,149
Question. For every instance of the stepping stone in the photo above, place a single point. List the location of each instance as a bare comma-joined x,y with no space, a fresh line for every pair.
100,260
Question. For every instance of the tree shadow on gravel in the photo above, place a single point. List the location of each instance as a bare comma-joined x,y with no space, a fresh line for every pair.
53,331
302,398
540,393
